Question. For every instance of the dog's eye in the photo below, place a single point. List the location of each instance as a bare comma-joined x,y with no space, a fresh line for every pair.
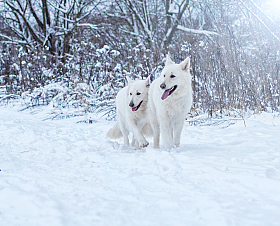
130,94
138,93
172,76
163,75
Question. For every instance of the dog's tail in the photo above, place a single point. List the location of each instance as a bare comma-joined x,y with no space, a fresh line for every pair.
114,132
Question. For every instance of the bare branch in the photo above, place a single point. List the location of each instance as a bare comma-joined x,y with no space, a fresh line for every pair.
35,15
140,19
261,21
92,26
171,30
202,32
33,32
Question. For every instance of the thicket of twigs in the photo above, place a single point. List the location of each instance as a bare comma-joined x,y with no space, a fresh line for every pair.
77,53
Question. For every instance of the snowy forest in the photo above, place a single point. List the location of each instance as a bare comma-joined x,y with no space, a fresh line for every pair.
76,53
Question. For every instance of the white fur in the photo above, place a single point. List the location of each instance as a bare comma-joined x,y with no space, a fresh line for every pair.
136,122
167,116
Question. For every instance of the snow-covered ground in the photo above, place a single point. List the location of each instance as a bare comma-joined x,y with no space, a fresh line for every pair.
60,172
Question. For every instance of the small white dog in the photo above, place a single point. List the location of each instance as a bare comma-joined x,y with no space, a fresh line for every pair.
170,99
131,104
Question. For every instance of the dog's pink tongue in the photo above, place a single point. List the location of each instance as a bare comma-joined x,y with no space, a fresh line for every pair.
165,94
134,109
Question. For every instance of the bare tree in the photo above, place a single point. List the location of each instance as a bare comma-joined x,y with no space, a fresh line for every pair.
154,21
46,23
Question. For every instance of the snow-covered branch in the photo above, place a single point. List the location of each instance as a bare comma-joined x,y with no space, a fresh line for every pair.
92,26
140,19
201,32
13,40
259,19
171,28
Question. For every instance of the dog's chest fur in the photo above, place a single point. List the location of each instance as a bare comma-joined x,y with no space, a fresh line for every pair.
174,106
140,116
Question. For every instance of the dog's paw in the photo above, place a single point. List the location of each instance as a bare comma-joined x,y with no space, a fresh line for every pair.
135,144
169,146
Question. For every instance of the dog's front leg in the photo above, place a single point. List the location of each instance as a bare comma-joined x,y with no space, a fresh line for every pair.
125,132
155,128
142,142
134,143
166,133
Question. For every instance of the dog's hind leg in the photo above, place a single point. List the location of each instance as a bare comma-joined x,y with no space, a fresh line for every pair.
166,134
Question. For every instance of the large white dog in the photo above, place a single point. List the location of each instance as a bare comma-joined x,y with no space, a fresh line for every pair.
170,99
131,104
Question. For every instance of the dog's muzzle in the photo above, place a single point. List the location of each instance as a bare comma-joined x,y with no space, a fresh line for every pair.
131,104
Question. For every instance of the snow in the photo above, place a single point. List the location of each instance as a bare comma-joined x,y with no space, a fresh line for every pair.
60,172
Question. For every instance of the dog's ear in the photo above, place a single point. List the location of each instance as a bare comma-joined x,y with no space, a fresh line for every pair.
148,81
168,60
128,80
185,65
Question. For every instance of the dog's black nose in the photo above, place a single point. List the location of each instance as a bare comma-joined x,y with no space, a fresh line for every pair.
131,104
163,86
